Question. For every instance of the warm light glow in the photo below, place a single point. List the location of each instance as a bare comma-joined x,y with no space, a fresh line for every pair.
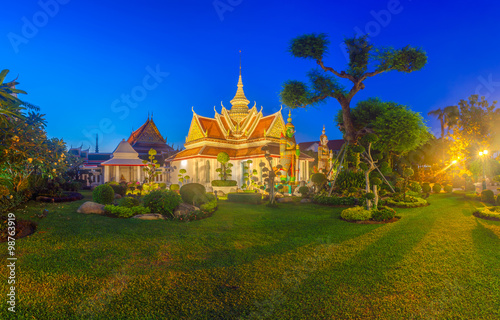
184,163
485,152
454,161
480,153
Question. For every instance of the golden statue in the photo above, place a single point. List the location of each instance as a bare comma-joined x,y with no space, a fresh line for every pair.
325,155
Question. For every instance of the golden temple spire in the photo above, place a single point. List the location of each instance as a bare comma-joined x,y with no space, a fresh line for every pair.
239,104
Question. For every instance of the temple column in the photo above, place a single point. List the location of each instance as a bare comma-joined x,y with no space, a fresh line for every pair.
139,173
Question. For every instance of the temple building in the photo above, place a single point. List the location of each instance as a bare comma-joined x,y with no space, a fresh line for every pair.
241,132
125,163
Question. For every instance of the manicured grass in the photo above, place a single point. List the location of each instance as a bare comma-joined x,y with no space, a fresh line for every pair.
254,262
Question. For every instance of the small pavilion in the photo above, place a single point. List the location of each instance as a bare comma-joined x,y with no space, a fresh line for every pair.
124,164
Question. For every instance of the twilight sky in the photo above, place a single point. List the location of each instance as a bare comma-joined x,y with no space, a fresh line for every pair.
101,66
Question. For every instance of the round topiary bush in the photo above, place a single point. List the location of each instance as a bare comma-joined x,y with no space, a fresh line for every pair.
190,190
304,191
436,188
487,196
103,194
128,202
318,178
426,187
448,188
174,187
356,214
162,201
383,214
415,187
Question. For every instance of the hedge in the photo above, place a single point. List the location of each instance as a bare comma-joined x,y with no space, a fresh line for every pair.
413,202
335,201
224,183
253,198
491,213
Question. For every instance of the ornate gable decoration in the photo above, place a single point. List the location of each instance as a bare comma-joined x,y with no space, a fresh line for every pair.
195,131
277,128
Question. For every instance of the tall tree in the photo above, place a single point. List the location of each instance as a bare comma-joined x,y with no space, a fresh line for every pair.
296,94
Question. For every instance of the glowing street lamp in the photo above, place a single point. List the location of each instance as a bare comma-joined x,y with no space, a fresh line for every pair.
483,154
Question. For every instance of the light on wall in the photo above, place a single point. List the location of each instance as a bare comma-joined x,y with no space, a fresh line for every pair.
184,163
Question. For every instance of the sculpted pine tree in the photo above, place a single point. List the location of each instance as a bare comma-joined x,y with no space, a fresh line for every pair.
296,94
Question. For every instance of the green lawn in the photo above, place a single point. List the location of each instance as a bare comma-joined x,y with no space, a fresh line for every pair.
254,262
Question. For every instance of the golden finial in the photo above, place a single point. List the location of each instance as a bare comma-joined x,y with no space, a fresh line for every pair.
289,120
323,129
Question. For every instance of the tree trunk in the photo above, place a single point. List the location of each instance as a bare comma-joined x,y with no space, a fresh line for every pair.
367,180
375,200
350,134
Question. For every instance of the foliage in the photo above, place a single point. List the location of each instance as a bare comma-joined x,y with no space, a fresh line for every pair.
498,200
128,202
356,214
436,188
118,188
304,191
244,197
488,212
182,176
383,213
190,190
225,169
174,187
487,196
224,183
334,200
103,194
125,212
162,201
448,188
151,167
348,178
408,202
426,187
324,84
415,187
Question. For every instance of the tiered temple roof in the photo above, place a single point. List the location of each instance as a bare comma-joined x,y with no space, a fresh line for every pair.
148,136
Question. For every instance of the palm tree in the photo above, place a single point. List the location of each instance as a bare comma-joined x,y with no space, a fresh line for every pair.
10,105
451,117
440,115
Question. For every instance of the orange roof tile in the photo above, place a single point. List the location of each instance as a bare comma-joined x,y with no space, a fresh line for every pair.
211,127
263,124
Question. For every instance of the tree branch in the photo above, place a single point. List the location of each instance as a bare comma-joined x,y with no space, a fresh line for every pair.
341,74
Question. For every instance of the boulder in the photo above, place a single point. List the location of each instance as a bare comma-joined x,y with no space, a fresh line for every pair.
91,207
149,216
117,196
219,193
305,200
284,199
185,209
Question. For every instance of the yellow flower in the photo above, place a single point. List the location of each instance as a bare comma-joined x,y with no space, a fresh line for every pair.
30,159
54,170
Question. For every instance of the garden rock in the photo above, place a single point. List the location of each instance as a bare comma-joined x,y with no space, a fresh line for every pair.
185,209
117,196
284,199
305,201
149,216
91,207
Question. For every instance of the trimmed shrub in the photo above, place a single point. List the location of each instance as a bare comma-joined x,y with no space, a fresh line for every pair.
335,201
383,214
118,188
415,187
103,194
488,196
318,178
436,188
128,202
304,191
253,198
347,179
190,191
224,183
409,202
448,188
162,201
472,196
356,214
125,212
174,187
492,213
162,185
426,187
498,200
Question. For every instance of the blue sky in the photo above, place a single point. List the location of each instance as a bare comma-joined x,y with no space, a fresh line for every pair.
95,66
